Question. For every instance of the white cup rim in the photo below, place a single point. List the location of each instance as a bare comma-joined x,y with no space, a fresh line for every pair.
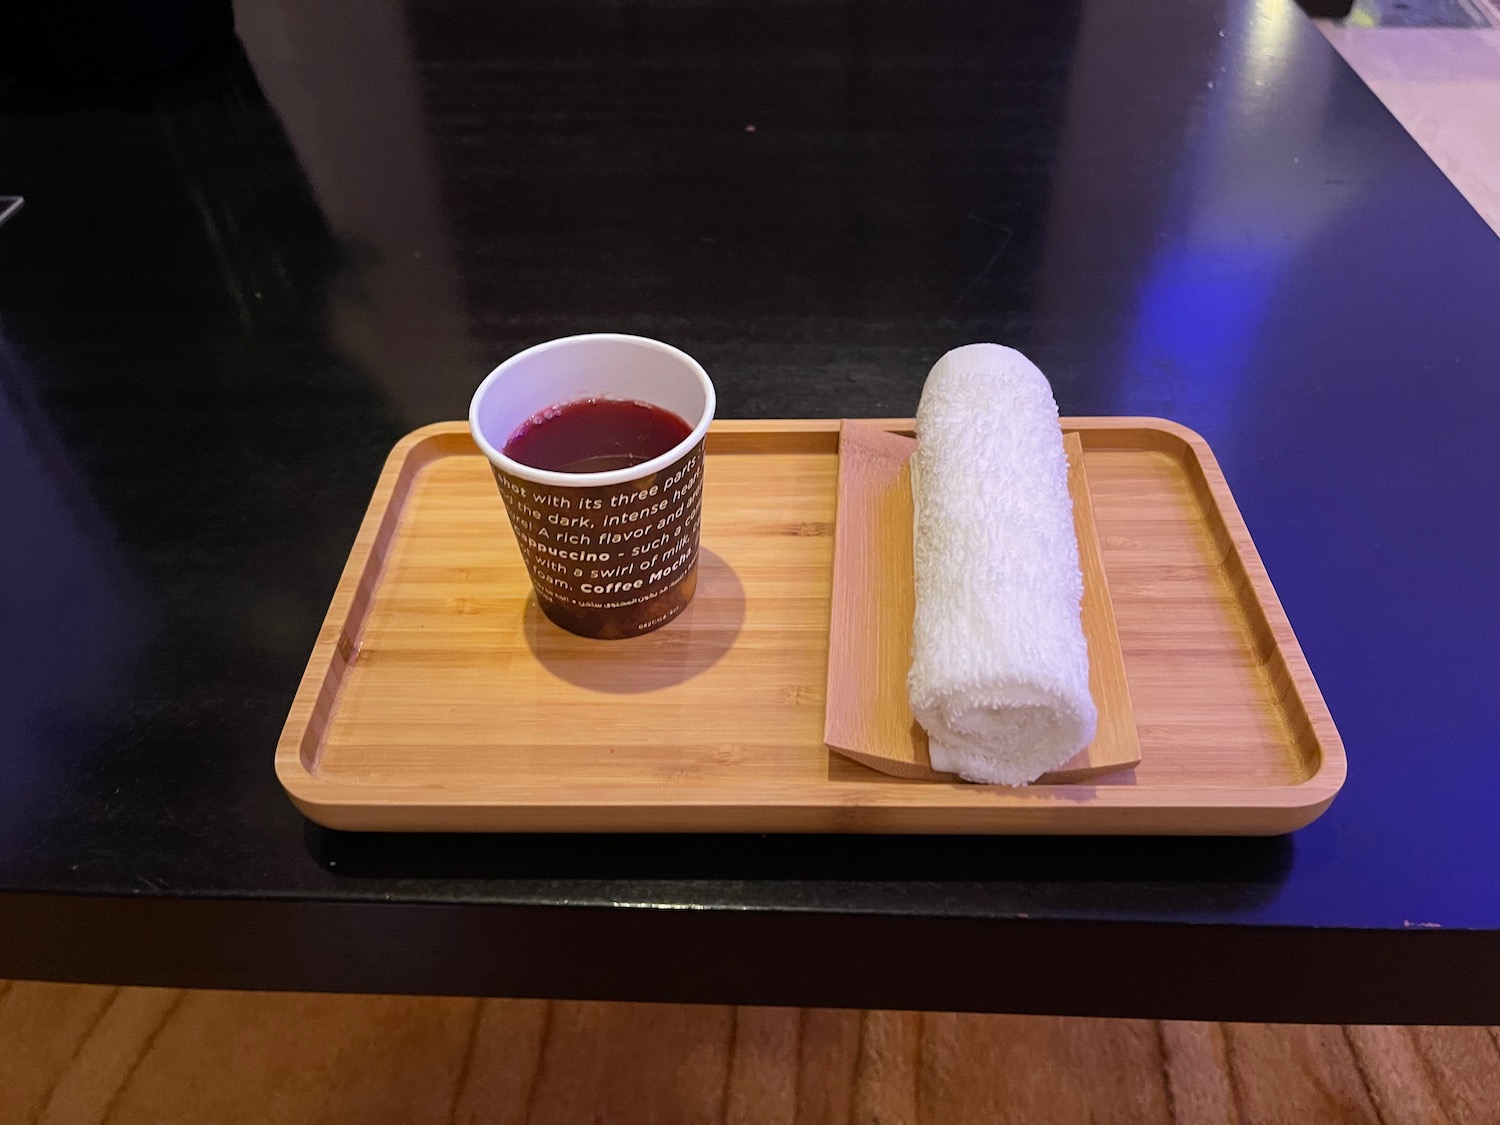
613,476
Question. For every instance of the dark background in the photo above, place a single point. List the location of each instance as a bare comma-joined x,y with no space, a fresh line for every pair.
236,282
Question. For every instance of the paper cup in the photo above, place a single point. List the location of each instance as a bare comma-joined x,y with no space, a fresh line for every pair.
611,554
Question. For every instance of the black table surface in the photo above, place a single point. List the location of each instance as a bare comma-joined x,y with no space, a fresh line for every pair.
234,286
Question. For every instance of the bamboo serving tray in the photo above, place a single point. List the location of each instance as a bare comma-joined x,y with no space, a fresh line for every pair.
439,698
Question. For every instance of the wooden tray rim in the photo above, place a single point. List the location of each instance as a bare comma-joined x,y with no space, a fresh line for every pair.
1232,809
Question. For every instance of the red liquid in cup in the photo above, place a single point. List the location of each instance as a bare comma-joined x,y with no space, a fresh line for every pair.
595,435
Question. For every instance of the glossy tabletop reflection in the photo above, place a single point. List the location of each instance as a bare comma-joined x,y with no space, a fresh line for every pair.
235,285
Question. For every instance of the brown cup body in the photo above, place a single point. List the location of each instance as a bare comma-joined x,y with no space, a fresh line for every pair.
611,561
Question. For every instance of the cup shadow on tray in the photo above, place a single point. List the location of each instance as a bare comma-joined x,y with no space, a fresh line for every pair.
696,641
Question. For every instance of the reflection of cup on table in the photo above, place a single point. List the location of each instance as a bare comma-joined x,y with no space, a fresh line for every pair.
611,553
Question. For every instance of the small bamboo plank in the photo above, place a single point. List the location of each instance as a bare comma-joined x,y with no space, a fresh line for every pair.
868,715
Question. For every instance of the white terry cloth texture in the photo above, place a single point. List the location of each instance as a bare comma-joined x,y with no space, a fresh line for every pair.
1000,670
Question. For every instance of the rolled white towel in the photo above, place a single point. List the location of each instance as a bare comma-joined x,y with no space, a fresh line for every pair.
999,672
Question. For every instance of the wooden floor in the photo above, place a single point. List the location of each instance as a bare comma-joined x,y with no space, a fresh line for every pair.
71,1053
